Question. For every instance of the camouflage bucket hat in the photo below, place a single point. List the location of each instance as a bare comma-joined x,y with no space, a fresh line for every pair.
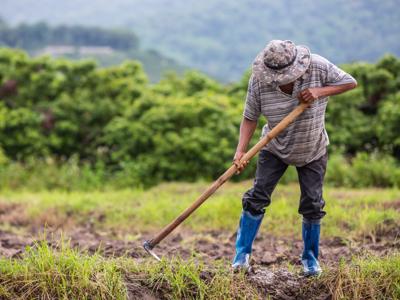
281,62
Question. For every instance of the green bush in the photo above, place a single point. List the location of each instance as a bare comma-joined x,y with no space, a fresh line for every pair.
388,126
175,138
364,170
338,171
110,125
375,170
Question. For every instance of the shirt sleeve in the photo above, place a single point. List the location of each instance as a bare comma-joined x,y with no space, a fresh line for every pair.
336,76
252,108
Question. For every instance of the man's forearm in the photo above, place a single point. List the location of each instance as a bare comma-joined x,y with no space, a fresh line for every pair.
311,94
335,89
247,128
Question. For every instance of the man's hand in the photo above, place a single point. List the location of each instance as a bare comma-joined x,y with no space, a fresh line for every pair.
309,95
247,128
236,161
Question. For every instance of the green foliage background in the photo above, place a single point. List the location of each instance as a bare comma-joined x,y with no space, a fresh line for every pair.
74,122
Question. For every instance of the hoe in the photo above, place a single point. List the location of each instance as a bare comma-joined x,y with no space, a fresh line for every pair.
150,244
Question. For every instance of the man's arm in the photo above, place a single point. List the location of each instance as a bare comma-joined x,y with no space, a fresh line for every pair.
247,128
252,111
334,81
311,94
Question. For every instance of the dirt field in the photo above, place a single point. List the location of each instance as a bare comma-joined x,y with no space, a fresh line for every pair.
276,260
361,227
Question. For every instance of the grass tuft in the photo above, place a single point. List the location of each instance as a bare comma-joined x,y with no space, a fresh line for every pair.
43,273
365,278
192,279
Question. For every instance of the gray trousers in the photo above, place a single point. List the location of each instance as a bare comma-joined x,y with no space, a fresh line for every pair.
270,169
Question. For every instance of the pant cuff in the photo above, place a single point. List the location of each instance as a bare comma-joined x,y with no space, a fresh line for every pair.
253,216
311,221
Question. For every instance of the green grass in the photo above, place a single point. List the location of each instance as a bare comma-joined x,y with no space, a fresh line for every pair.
194,280
366,278
351,212
43,273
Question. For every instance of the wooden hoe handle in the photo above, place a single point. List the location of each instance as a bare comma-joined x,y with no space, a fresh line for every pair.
148,245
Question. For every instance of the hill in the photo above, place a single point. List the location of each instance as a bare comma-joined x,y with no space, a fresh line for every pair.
106,46
221,37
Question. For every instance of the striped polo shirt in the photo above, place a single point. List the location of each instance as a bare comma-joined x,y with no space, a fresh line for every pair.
306,139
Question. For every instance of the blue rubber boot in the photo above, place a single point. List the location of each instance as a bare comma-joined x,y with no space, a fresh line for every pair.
309,258
247,231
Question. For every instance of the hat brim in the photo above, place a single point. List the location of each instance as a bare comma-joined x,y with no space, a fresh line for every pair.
285,75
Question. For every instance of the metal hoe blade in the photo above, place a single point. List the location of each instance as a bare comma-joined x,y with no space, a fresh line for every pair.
149,249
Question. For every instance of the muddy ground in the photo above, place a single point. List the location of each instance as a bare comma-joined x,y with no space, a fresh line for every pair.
271,274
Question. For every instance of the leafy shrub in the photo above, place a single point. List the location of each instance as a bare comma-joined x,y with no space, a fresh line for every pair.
110,125
338,171
175,138
388,126
375,170
363,170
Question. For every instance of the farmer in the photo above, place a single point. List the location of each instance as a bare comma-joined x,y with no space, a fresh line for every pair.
283,75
